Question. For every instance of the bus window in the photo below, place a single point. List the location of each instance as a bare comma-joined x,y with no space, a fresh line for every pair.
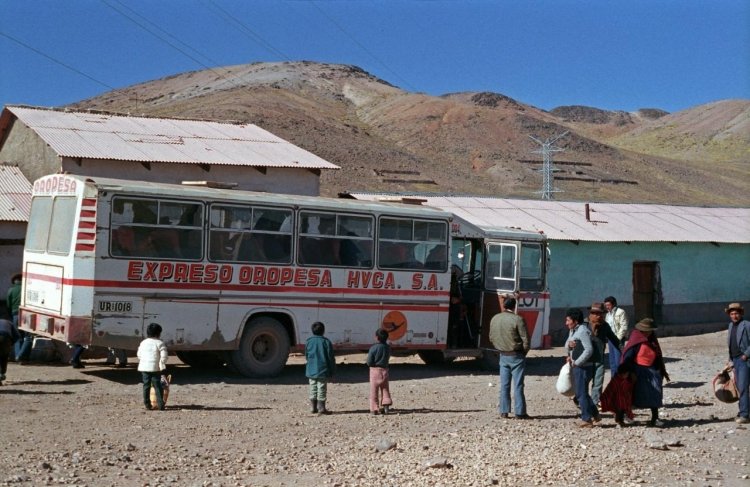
38,227
355,240
501,267
327,239
272,234
250,234
412,244
154,228
532,273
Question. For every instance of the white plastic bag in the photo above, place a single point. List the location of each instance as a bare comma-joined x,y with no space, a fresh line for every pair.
565,381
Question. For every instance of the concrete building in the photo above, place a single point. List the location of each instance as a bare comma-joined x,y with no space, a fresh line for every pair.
35,142
43,141
15,204
680,265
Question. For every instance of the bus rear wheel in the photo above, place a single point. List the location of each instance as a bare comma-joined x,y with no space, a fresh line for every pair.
263,350
202,360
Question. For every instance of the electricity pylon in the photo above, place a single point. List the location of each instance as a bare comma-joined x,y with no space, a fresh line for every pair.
547,170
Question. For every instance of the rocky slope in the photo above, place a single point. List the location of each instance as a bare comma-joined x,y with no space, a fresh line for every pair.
385,138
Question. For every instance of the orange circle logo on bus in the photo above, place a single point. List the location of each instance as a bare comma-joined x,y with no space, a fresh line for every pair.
395,324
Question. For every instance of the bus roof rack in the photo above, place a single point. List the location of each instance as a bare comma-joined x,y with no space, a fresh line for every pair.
211,184
407,200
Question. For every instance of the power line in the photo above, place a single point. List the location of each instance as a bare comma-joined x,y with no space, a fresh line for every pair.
67,66
161,38
247,31
361,46
216,63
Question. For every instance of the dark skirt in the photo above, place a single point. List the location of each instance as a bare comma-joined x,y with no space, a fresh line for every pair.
647,392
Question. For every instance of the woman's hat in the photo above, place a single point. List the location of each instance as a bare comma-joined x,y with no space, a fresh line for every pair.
734,306
646,324
596,308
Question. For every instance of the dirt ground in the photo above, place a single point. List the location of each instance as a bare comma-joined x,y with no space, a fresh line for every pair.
62,426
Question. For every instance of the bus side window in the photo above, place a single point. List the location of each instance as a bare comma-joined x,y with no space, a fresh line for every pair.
436,258
123,241
166,243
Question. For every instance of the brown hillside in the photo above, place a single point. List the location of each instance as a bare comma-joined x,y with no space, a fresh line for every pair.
718,132
388,139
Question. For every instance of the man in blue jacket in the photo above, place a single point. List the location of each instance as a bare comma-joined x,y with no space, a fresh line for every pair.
738,340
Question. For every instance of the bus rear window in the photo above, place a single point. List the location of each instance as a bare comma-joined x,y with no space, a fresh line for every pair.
51,224
38,228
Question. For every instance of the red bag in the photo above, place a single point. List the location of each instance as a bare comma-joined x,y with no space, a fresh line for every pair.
618,395
725,389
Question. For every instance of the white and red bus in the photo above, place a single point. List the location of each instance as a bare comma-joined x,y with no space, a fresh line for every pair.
238,277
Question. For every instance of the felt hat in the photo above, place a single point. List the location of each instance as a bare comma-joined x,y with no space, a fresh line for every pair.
596,308
646,324
734,306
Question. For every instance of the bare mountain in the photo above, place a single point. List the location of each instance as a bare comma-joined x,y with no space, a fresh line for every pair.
388,139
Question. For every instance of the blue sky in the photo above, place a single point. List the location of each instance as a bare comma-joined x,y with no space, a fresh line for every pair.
615,55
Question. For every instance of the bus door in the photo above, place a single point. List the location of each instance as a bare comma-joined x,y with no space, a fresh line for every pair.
500,278
189,323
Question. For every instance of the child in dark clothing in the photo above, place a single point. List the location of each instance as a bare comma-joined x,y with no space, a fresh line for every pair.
8,336
377,360
321,365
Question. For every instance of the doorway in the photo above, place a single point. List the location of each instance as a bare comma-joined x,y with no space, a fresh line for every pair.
645,289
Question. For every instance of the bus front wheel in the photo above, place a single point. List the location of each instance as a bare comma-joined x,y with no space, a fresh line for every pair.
263,350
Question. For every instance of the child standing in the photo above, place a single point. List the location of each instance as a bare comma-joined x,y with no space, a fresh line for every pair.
321,365
377,360
152,360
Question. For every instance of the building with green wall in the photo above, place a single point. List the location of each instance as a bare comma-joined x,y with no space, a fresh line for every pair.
680,265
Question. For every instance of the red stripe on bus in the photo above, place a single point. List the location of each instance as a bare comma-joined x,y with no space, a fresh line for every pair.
231,287
353,305
88,202
88,214
82,247
86,236
86,225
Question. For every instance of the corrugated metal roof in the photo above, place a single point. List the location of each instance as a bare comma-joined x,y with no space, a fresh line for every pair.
141,139
608,222
15,195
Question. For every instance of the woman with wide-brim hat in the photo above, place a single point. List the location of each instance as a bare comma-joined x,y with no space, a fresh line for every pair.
643,356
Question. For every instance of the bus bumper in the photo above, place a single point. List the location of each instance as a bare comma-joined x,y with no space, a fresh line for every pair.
71,330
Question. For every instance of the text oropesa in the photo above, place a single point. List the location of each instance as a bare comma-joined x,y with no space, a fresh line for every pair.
268,276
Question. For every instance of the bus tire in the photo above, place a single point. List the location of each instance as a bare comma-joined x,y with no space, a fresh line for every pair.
263,350
202,360
434,357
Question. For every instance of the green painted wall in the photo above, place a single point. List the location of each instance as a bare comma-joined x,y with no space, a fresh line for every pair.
697,279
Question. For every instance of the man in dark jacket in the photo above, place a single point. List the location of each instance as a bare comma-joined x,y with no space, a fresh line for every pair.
739,353
509,336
